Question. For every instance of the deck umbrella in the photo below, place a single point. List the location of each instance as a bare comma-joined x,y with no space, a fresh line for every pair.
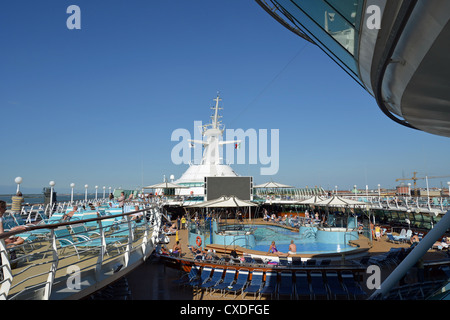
224,202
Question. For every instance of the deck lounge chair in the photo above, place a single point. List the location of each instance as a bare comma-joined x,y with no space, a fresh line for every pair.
325,262
353,288
404,235
283,261
216,278
269,285
285,287
318,288
188,277
297,261
392,238
258,260
302,287
66,239
240,283
255,283
228,280
248,260
334,285
205,275
310,262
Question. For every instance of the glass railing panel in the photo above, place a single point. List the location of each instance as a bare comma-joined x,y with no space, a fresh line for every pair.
330,21
349,9
340,45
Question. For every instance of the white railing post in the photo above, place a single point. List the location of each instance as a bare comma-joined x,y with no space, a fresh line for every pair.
145,245
130,242
53,267
7,274
98,266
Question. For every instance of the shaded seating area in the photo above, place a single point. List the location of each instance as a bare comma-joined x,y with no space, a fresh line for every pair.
306,284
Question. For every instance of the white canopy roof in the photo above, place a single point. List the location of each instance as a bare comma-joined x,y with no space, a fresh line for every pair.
164,185
336,201
224,202
312,200
272,184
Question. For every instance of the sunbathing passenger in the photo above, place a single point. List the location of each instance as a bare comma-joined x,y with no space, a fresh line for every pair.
292,248
169,230
273,249
69,215
176,250
443,244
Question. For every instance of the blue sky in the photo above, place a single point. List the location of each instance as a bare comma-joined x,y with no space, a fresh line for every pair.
98,106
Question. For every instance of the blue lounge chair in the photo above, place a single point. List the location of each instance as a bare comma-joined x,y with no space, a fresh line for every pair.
318,289
257,260
335,287
205,275
66,239
297,261
310,262
270,284
228,280
240,283
283,261
286,285
215,279
302,287
188,277
325,262
248,260
392,238
353,288
255,283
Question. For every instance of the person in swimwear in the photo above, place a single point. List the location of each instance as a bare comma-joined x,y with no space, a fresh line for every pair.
273,249
292,248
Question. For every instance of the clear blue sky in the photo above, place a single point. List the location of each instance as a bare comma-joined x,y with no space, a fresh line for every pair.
98,105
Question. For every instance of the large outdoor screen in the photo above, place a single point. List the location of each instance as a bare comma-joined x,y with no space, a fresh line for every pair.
241,187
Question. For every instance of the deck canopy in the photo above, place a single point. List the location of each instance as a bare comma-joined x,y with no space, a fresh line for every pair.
224,202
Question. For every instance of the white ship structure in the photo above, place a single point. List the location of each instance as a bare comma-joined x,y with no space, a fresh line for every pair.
211,165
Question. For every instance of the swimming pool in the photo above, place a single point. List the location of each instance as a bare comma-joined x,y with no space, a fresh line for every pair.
305,242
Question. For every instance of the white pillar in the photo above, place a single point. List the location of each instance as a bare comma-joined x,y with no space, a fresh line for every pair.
52,184
85,192
19,180
72,185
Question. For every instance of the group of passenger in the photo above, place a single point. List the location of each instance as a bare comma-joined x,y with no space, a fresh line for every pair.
273,249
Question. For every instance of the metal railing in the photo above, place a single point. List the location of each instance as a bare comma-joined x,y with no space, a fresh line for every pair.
69,260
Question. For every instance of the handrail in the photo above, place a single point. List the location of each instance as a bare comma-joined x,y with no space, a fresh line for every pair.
60,224
97,270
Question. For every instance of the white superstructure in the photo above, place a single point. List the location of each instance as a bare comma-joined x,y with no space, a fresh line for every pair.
211,164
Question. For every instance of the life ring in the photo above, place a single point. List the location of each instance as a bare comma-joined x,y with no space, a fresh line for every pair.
198,240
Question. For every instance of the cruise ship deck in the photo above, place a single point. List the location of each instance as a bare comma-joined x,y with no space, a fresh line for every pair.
376,252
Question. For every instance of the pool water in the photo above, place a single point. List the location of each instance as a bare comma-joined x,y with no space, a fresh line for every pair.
264,235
